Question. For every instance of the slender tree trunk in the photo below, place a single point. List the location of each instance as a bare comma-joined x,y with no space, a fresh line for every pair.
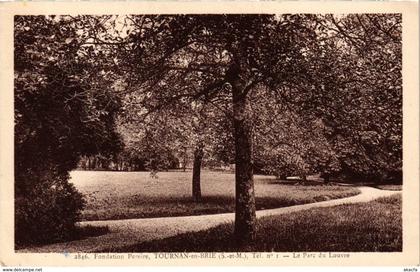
85,164
95,163
184,163
245,218
196,179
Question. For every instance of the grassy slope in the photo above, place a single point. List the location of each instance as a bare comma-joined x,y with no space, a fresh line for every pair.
122,195
367,227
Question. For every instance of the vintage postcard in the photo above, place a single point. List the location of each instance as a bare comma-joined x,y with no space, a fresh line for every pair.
209,133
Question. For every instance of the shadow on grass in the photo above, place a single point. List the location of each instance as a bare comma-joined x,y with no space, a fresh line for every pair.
298,182
88,231
174,207
389,187
79,233
375,226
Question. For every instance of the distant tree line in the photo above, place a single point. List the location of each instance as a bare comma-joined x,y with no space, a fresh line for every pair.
120,163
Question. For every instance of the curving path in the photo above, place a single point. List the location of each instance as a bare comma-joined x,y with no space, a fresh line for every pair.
134,231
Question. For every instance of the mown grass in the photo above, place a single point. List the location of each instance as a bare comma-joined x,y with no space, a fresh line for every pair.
124,195
375,226
391,187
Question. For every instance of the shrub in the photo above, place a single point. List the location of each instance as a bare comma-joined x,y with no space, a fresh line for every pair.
48,212
62,111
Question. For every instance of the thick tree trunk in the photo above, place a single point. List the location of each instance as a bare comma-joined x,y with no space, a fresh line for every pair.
196,179
283,177
245,218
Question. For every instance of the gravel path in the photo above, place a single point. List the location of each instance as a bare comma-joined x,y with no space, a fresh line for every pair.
133,231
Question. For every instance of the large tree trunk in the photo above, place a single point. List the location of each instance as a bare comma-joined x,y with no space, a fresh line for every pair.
245,218
196,179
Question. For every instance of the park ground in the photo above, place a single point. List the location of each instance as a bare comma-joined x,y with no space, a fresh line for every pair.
135,212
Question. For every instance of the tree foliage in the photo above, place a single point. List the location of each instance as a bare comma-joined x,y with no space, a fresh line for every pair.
62,111
362,106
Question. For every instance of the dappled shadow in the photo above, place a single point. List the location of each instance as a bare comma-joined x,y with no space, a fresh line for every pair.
185,206
298,182
389,187
361,227
139,199
79,233
269,195
88,231
264,203
152,207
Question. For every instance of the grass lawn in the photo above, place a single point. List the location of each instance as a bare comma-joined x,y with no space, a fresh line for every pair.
391,187
123,195
375,226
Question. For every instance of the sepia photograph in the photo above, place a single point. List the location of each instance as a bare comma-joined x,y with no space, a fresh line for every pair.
226,134
133,132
